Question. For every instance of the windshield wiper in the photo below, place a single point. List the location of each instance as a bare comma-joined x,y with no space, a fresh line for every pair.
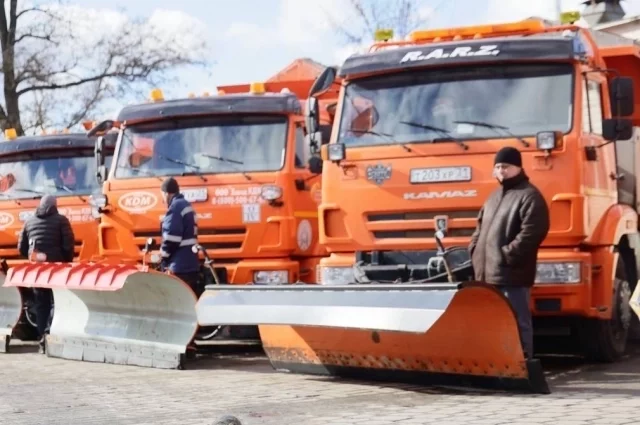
186,164
494,127
445,133
230,161
137,170
66,189
37,192
385,136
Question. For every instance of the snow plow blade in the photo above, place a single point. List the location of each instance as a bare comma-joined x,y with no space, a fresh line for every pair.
114,313
10,312
634,302
429,334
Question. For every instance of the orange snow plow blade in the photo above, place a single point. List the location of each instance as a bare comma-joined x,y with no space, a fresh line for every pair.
114,313
10,312
430,334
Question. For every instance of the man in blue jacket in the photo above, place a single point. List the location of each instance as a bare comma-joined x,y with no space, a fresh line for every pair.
179,235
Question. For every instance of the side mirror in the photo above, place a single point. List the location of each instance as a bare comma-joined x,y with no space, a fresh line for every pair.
103,127
614,129
311,116
314,141
101,173
315,164
324,81
98,151
621,97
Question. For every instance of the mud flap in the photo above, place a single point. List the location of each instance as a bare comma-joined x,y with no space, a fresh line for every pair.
441,334
10,312
114,313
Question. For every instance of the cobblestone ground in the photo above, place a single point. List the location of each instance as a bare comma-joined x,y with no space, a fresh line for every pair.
37,390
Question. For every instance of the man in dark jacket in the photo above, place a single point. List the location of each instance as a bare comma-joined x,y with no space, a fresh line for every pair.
179,235
512,224
47,236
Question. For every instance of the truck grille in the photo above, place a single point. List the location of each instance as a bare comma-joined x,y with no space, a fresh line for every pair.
209,238
420,224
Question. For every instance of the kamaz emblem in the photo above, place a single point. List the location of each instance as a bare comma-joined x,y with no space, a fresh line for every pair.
442,223
378,173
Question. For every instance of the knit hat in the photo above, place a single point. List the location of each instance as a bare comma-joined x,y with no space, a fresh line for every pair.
48,201
508,155
170,185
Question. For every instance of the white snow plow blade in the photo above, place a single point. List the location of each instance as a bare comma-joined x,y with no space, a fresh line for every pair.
634,302
10,312
401,308
113,313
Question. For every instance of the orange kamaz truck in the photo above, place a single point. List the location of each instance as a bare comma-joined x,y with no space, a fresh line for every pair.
409,166
61,164
241,157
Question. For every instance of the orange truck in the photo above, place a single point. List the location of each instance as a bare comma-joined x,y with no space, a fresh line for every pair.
408,167
61,164
241,157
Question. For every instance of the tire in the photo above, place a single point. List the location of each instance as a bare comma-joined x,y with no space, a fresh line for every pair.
605,341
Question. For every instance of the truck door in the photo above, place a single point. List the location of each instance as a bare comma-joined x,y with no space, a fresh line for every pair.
599,187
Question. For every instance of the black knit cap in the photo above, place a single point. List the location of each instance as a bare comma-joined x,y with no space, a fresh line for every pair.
170,185
508,155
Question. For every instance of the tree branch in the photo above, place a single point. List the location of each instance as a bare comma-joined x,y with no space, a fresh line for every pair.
33,36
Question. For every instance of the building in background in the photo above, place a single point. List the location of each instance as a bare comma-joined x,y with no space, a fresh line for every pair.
609,16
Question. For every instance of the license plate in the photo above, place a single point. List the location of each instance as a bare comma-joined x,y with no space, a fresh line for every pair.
195,195
440,174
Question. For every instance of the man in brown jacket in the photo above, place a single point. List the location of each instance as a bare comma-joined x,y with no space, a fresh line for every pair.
512,224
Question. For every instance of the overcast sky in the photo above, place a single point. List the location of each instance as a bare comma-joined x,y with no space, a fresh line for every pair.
253,39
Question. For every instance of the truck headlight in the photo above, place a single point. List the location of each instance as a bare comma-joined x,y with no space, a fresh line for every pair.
336,275
95,212
270,192
564,272
98,200
271,277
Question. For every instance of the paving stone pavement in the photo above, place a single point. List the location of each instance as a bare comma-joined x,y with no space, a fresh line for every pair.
36,390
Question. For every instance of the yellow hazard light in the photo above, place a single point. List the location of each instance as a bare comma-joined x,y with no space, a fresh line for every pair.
569,17
221,93
10,134
88,125
157,95
191,95
477,31
205,94
257,88
383,34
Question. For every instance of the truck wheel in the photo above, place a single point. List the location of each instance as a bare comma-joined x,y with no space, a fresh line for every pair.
606,340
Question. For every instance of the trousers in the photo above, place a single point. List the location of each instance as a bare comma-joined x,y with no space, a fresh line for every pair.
193,280
43,300
519,298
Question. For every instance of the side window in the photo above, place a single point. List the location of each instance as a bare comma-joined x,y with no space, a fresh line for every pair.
592,108
302,150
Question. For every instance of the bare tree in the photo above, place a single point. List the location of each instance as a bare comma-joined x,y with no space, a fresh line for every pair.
359,20
61,63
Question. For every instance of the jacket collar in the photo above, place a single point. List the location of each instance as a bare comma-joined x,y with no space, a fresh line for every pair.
176,196
515,181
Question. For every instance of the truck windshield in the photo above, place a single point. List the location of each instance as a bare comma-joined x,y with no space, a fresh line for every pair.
427,105
207,145
36,174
